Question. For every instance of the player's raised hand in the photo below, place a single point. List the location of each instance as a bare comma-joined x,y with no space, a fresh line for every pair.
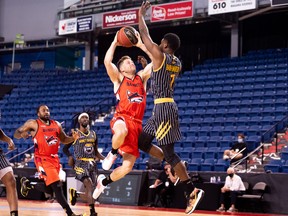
75,134
144,7
115,41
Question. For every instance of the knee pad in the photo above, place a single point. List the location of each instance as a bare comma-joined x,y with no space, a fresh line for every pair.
169,154
144,142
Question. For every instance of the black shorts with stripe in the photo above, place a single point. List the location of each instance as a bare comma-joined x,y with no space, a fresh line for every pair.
4,163
164,123
84,169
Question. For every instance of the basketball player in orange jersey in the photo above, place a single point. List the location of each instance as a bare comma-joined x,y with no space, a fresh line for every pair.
46,135
126,125
163,124
7,176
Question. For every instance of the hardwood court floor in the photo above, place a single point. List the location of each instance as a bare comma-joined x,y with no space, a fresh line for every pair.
42,208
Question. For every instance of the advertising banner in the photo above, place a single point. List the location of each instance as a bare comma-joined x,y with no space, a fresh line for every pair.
120,18
172,11
75,25
228,6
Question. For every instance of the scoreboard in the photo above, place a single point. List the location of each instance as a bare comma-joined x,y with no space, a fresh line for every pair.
125,191
130,190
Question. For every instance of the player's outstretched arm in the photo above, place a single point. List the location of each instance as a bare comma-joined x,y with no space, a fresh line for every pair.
67,139
142,46
25,130
111,68
153,48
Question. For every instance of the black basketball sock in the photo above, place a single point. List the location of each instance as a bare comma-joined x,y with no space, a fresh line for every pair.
92,208
14,213
107,180
57,188
114,151
189,187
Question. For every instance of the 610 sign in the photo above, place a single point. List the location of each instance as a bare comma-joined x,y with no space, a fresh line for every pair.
219,5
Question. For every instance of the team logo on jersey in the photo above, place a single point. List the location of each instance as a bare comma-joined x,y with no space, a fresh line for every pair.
134,97
51,140
88,148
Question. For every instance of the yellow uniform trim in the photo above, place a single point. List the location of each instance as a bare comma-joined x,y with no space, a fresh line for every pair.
159,129
163,100
86,159
162,131
79,170
82,134
161,64
164,134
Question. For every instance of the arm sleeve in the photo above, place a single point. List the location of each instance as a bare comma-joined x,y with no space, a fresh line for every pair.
66,150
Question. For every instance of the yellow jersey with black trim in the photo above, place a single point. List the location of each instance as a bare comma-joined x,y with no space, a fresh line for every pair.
163,78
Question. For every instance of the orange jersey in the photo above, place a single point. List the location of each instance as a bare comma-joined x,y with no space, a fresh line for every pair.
132,97
46,140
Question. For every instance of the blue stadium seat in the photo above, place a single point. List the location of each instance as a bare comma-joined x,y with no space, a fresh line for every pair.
284,156
204,131
221,165
274,166
194,164
255,120
241,129
188,149
207,165
197,154
216,130
210,154
201,141
178,149
229,131
226,141
285,167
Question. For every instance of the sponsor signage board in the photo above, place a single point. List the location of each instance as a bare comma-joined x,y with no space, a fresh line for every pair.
76,25
120,18
228,6
172,11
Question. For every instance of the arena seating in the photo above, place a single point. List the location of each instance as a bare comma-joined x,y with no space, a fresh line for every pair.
217,100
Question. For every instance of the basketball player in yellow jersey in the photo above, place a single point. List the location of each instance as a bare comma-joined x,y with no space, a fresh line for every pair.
164,124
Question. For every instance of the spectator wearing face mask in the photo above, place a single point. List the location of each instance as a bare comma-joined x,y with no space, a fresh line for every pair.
237,151
233,187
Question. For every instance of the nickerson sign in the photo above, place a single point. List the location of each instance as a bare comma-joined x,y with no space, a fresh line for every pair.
120,18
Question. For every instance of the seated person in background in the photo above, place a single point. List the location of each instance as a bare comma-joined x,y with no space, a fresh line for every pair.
237,151
233,187
163,186
154,163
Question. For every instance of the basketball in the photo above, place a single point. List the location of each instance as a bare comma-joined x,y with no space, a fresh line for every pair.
127,36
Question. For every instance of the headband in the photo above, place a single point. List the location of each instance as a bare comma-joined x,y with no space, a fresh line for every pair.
83,114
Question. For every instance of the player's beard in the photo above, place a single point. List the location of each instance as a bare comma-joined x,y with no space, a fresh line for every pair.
84,125
45,118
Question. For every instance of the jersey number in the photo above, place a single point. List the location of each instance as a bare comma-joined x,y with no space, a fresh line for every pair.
172,80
